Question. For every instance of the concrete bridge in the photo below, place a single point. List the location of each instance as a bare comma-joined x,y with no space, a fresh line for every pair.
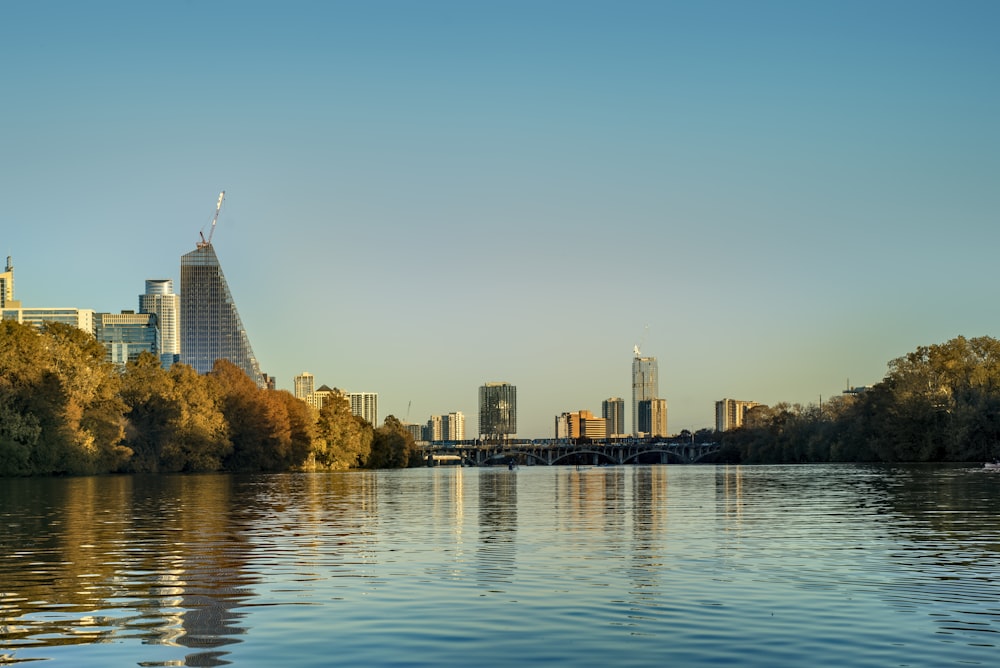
550,453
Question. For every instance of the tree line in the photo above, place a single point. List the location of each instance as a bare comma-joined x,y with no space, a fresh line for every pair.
939,403
65,411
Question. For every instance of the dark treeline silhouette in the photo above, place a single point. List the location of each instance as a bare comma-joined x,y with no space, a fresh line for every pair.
940,403
65,411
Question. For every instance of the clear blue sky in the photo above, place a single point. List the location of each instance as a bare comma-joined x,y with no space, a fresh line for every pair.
772,197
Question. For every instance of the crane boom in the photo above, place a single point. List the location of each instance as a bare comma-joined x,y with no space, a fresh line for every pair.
218,208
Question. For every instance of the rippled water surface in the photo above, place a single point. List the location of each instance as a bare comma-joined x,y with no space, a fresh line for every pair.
624,566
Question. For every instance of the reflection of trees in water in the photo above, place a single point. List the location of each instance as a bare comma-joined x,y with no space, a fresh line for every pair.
496,551
160,559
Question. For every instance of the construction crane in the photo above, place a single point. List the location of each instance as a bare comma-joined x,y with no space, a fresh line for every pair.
204,243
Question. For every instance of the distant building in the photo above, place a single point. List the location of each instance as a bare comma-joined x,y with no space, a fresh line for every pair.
497,410
81,318
415,430
160,300
433,431
7,287
581,424
365,405
210,325
652,418
304,385
645,385
613,412
731,413
126,335
320,397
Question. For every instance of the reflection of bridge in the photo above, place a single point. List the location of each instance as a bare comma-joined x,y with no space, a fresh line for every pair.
560,452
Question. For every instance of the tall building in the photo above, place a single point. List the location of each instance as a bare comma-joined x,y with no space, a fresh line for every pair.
126,335
211,328
731,413
497,410
652,418
453,426
645,385
365,404
7,287
613,412
160,300
450,427
305,384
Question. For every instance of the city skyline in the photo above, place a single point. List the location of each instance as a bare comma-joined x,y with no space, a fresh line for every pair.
774,199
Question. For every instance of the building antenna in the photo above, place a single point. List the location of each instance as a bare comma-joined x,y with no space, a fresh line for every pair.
218,207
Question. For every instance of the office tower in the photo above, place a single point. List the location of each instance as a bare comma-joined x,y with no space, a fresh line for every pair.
652,418
211,328
645,385
7,287
365,405
731,414
126,335
160,300
613,412
497,410
304,385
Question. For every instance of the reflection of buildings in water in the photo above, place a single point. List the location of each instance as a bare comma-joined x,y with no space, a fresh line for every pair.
649,502
496,550
729,493
448,498
589,496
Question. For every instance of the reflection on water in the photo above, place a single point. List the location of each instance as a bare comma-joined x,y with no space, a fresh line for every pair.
588,566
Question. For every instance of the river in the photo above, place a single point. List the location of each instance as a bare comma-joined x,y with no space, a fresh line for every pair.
625,566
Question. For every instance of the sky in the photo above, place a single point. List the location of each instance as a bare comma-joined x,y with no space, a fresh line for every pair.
774,199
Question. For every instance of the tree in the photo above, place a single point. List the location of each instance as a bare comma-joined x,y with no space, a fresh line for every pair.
343,440
393,446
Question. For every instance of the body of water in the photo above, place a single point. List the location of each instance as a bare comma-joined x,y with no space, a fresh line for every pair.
624,566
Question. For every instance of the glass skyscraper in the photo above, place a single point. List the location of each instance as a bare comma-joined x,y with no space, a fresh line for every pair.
211,328
497,410
645,385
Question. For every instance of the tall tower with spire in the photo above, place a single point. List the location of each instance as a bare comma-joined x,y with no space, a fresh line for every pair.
211,328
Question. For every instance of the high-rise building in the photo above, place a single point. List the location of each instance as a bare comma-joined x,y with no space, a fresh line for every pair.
731,413
365,404
7,287
160,300
305,385
211,328
645,385
126,335
453,426
652,418
497,410
613,412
